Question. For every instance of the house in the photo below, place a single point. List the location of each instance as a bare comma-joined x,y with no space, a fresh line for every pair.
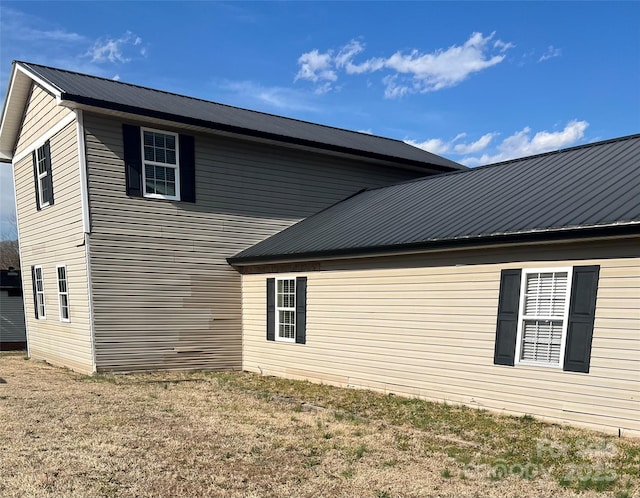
166,232
513,287
129,200
12,331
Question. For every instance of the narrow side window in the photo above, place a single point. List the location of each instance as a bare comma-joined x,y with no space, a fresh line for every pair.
63,293
42,176
38,292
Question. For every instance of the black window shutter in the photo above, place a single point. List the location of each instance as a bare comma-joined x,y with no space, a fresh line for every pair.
35,294
271,309
35,178
49,178
132,159
187,169
582,311
507,325
301,310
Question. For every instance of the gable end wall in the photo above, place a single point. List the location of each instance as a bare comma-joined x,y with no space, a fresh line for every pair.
53,236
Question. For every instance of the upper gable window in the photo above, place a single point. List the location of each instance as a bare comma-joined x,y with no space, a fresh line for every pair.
161,171
42,176
159,164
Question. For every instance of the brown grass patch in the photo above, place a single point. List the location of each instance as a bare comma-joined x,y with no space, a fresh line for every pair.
204,434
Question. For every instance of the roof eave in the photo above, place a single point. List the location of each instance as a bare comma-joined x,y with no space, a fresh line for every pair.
531,237
71,100
14,104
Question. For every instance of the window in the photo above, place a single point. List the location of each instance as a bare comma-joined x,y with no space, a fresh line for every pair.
546,317
159,164
542,324
42,176
38,292
287,309
63,293
161,172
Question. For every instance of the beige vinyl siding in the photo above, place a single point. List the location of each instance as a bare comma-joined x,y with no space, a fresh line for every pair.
425,326
50,237
11,318
164,296
41,114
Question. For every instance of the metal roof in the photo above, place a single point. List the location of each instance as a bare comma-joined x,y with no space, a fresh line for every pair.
590,189
115,95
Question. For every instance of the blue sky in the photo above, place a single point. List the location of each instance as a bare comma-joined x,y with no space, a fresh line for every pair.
476,82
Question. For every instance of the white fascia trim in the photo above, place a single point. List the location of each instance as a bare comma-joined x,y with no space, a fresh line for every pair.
57,92
39,142
6,101
82,164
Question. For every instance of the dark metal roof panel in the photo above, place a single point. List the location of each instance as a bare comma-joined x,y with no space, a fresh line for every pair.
594,185
78,87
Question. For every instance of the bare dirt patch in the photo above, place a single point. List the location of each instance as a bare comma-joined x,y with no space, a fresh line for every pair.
233,434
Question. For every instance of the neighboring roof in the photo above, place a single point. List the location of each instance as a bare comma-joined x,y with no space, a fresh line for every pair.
10,279
590,190
80,89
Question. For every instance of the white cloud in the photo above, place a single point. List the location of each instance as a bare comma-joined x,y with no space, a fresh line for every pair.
408,73
115,49
315,66
550,53
453,146
521,143
433,145
477,146
255,95
21,27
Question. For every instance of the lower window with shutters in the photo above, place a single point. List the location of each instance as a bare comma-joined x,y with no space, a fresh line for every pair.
542,324
287,309
546,317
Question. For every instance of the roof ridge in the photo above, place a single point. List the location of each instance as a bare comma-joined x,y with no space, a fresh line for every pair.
510,161
31,64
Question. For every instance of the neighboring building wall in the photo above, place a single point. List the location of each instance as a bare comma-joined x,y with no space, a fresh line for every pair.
164,296
53,236
12,331
425,326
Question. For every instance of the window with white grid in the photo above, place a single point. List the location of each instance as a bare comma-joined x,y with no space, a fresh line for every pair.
161,172
38,283
543,316
44,186
286,309
63,293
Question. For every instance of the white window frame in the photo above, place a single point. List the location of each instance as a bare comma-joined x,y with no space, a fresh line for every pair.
522,317
286,308
39,293
175,166
60,294
41,176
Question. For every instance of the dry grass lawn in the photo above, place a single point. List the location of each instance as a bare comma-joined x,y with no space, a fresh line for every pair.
232,434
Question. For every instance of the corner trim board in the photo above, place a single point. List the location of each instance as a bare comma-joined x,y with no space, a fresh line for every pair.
82,164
